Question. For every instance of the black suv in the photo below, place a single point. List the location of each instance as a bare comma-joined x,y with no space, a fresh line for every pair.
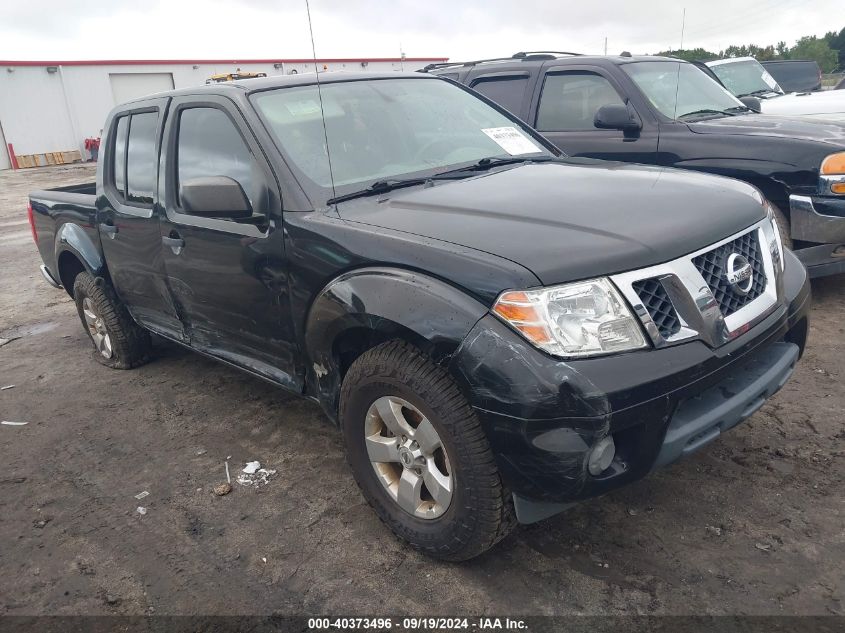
665,111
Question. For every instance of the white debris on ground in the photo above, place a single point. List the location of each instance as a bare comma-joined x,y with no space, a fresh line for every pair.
10,423
141,510
141,495
254,475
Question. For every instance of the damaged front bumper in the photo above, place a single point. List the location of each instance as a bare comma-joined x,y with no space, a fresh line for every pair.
821,220
543,417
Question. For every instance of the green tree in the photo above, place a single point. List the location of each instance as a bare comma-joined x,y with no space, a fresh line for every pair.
691,54
836,41
817,49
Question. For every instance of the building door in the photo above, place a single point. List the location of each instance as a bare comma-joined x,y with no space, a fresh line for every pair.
5,163
130,86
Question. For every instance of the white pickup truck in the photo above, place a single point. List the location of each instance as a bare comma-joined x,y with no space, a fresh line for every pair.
746,77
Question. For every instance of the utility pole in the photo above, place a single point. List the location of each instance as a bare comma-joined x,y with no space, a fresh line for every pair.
683,25
605,45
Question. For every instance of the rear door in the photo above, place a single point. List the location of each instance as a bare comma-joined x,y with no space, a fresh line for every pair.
128,215
565,107
228,278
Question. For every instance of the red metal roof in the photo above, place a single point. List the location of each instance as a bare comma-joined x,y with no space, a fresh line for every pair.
143,62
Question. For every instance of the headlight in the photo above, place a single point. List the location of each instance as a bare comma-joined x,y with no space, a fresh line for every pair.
586,318
776,243
832,173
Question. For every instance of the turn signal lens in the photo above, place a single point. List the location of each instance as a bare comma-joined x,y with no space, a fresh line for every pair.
838,187
834,165
586,318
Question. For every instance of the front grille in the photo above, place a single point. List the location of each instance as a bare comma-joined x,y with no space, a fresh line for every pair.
713,266
653,295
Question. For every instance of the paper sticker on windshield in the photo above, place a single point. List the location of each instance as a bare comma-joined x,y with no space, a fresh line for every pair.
306,107
512,140
770,81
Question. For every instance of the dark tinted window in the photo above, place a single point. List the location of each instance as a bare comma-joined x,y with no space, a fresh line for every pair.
570,100
795,76
210,145
508,92
119,159
141,158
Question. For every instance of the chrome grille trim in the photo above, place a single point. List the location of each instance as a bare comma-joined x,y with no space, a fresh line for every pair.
696,307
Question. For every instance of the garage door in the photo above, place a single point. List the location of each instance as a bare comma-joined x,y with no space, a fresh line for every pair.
128,86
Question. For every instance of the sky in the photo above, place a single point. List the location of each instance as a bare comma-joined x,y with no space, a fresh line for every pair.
458,29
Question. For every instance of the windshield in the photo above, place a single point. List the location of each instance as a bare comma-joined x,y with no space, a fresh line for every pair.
387,129
745,77
680,90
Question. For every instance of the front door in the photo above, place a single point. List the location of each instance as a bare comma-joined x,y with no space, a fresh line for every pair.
129,218
566,109
228,278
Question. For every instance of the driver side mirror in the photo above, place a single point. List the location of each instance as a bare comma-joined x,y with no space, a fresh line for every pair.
617,117
752,103
215,197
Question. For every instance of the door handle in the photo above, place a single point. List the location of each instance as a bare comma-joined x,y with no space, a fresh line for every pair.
109,229
176,244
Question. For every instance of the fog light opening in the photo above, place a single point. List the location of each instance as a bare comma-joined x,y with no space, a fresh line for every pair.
601,456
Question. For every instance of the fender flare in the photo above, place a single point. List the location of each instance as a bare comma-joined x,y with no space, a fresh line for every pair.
73,238
366,306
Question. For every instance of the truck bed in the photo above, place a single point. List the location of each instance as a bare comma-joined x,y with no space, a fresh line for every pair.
65,217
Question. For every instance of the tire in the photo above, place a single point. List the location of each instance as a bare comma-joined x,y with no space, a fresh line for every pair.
396,376
118,341
783,227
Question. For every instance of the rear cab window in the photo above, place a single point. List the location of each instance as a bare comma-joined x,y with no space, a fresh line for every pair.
133,163
508,91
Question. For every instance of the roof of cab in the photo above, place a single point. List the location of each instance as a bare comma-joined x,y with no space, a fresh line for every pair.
246,86
548,59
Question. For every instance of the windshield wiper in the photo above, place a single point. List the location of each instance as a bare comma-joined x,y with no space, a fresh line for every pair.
707,111
379,186
760,92
385,185
496,161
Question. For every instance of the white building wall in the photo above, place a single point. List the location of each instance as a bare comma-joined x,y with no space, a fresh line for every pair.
42,111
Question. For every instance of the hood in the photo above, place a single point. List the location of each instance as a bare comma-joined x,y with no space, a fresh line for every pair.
795,128
572,220
823,102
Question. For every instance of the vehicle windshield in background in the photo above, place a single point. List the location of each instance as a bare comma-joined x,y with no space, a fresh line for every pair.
681,91
387,129
746,77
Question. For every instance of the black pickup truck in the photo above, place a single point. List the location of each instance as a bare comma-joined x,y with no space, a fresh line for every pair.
664,111
498,330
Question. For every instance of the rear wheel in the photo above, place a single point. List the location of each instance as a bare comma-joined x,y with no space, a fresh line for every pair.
118,341
419,454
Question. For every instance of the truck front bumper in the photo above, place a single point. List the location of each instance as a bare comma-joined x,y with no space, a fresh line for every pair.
819,219
543,416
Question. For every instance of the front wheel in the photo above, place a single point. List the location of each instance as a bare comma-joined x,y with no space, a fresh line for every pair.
419,454
118,341
784,227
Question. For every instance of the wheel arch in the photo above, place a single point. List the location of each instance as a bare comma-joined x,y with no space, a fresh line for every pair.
364,308
76,252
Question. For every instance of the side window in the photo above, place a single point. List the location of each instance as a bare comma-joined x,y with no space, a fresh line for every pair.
508,92
209,144
570,100
141,166
118,165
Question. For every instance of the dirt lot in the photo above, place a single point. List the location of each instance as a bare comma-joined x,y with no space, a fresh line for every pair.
751,525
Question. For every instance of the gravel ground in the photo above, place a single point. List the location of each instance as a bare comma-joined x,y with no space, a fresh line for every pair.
753,524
